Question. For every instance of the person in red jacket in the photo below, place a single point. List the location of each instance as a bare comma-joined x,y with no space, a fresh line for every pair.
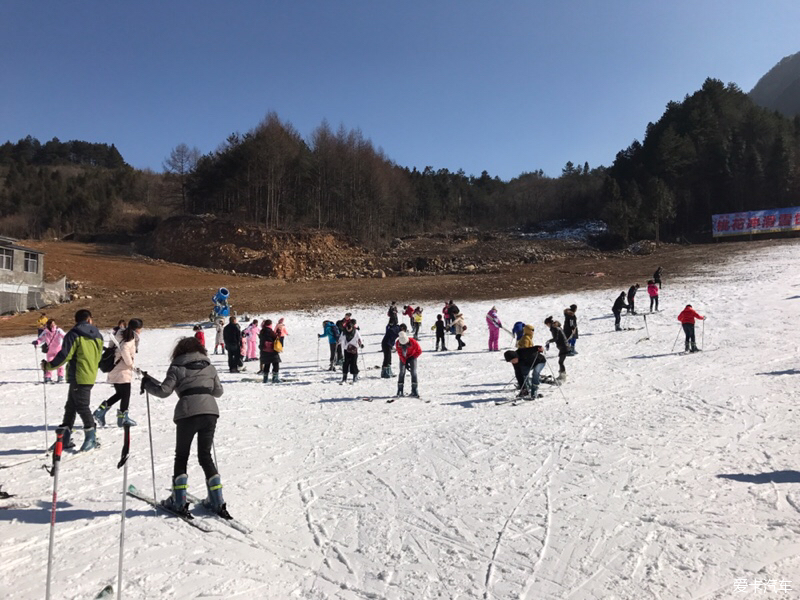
687,319
200,334
408,350
408,311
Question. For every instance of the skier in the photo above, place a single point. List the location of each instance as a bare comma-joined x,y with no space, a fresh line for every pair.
631,297
387,345
652,291
339,329
232,336
219,341
408,311
331,331
196,382
81,350
41,323
561,343
493,321
619,304
528,364
439,328
251,335
526,339
392,313
448,318
269,354
51,338
571,326
350,341
460,328
121,375
408,349
657,276
417,318
199,334
687,319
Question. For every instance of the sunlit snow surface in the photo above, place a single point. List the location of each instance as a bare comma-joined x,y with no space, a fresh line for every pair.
617,494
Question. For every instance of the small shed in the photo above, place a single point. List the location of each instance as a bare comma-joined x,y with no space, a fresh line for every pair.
22,285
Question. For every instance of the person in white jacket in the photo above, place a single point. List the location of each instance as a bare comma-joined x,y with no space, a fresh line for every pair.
52,336
122,374
351,343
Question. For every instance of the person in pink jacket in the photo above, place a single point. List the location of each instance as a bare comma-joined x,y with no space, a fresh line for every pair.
494,324
251,333
53,336
281,331
652,291
122,375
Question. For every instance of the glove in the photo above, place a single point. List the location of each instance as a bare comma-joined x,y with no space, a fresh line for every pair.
35,343
145,377
44,365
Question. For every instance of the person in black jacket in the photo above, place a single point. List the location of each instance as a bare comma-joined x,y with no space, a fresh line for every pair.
528,364
269,358
631,297
392,312
561,343
387,345
657,276
232,337
439,327
571,326
619,304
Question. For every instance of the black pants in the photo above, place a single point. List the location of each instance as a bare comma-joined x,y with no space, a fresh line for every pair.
631,302
562,356
440,340
122,393
203,426
270,359
333,352
653,301
415,329
460,343
387,357
339,352
350,365
234,359
688,329
617,317
78,399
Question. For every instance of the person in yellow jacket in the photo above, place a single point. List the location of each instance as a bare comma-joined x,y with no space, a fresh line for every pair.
526,341
417,316
41,323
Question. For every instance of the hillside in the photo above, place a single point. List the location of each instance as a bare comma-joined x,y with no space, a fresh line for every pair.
779,89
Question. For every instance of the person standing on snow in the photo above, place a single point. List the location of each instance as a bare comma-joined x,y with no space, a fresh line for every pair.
417,318
439,328
219,341
518,330
561,343
652,291
571,326
408,311
392,313
196,382
251,343
657,276
460,327
687,319
281,331
199,334
387,345
331,331
631,297
408,349
232,336
350,341
528,364
121,375
51,339
619,304
270,357
81,350
494,324
526,339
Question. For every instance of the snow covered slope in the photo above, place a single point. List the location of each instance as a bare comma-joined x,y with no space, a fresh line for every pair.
664,476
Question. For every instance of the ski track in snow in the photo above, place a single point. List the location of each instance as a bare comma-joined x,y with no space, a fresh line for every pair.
616,494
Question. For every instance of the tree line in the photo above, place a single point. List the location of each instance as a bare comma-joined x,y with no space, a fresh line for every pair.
714,152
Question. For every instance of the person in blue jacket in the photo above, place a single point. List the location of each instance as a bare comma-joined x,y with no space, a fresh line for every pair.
330,331
387,345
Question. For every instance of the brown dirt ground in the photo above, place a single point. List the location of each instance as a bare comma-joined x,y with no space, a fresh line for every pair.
122,285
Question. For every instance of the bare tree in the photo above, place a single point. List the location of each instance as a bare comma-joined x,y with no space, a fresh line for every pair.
177,167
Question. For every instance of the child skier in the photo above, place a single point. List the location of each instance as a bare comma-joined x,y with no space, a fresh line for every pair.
439,328
619,304
561,343
121,375
460,328
687,319
350,341
571,326
494,324
526,339
331,332
199,334
196,382
51,339
219,326
269,355
417,318
251,334
387,345
408,349
281,331
652,291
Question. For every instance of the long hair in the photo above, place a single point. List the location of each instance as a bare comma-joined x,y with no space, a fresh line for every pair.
187,345
129,333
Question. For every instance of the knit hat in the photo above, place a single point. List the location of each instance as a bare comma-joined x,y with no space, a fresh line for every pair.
403,338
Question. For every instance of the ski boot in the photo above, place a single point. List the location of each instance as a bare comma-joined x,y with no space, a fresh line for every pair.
686,347
385,373
562,376
275,378
66,439
534,393
47,379
331,367
355,377
60,379
123,419
215,501
177,501
100,414
400,393
89,440
523,392
694,349
414,392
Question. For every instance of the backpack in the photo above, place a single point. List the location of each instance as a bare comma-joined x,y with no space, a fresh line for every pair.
107,362
276,345
335,331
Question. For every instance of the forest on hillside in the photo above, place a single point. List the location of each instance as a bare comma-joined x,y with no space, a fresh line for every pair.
714,152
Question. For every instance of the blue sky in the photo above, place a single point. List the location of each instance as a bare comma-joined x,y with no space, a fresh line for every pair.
508,87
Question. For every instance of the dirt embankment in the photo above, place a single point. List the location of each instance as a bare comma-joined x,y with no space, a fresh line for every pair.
115,283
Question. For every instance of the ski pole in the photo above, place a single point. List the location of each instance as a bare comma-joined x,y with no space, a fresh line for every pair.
44,398
123,462
676,338
558,385
646,328
317,353
56,462
152,458
703,336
